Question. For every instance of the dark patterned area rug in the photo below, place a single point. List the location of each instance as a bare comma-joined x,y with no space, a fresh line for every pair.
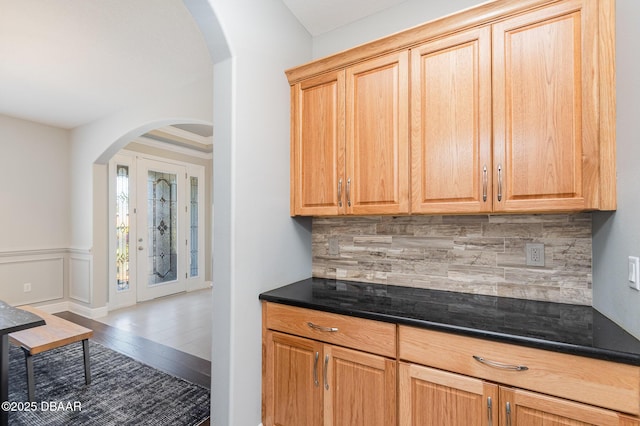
123,391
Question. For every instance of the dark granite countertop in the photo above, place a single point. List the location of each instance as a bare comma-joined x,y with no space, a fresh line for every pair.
572,329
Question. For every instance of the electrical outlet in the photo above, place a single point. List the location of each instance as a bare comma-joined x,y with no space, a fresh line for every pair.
334,246
534,254
27,287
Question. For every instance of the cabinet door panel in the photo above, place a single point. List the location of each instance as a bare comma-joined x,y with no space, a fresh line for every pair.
360,389
377,130
318,150
451,124
293,397
531,409
543,88
430,397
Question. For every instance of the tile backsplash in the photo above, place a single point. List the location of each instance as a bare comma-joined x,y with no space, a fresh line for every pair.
472,254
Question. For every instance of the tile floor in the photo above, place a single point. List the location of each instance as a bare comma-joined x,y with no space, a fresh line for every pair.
181,321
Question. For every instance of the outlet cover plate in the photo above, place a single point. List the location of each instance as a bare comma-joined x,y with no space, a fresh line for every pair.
534,254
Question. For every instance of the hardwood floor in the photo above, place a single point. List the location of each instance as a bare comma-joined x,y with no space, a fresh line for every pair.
181,321
170,360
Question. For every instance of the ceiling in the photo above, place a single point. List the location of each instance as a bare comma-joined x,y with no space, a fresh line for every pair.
321,16
66,63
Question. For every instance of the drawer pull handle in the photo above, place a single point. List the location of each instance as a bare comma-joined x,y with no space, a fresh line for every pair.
321,328
496,364
315,370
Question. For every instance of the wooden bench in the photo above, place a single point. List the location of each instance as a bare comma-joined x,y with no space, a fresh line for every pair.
55,333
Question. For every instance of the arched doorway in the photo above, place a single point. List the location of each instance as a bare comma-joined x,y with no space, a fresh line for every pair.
160,209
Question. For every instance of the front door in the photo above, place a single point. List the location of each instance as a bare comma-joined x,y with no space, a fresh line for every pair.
161,224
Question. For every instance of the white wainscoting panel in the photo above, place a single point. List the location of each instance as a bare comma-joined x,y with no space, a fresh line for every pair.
40,272
80,277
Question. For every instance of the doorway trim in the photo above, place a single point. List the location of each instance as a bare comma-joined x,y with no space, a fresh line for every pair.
129,297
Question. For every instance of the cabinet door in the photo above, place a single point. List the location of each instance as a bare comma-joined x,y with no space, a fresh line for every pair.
293,372
523,408
317,153
430,397
360,389
377,135
451,124
545,95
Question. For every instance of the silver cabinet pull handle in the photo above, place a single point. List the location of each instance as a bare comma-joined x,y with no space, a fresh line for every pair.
315,370
485,180
349,192
508,409
499,182
326,367
321,328
496,364
340,192
490,411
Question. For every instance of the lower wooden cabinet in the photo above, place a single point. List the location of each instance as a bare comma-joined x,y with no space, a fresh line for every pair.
326,369
292,392
313,383
432,397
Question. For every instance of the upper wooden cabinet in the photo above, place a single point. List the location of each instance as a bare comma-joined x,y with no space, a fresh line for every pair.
317,145
546,109
378,136
358,165
512,110
451,165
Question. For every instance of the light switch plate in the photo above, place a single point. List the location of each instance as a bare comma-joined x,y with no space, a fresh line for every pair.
634,272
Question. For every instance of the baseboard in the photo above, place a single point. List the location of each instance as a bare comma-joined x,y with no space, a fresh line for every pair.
85,311
203,286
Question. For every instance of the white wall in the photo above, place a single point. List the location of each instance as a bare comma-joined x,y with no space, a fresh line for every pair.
34,212
257,246
401,17
35,194
617,235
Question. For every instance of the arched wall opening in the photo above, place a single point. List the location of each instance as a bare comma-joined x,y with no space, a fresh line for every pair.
103,224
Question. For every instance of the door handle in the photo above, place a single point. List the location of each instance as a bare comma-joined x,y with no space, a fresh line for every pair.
140,248
499,182
484,183
326,367
315,370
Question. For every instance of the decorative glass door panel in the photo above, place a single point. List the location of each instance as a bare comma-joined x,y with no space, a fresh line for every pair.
194,227
161,265
122,227
162,229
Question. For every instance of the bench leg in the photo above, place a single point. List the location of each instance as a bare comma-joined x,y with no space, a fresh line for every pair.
30,381
87,362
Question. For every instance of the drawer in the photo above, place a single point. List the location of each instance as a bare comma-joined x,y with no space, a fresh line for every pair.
597,382
357,333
